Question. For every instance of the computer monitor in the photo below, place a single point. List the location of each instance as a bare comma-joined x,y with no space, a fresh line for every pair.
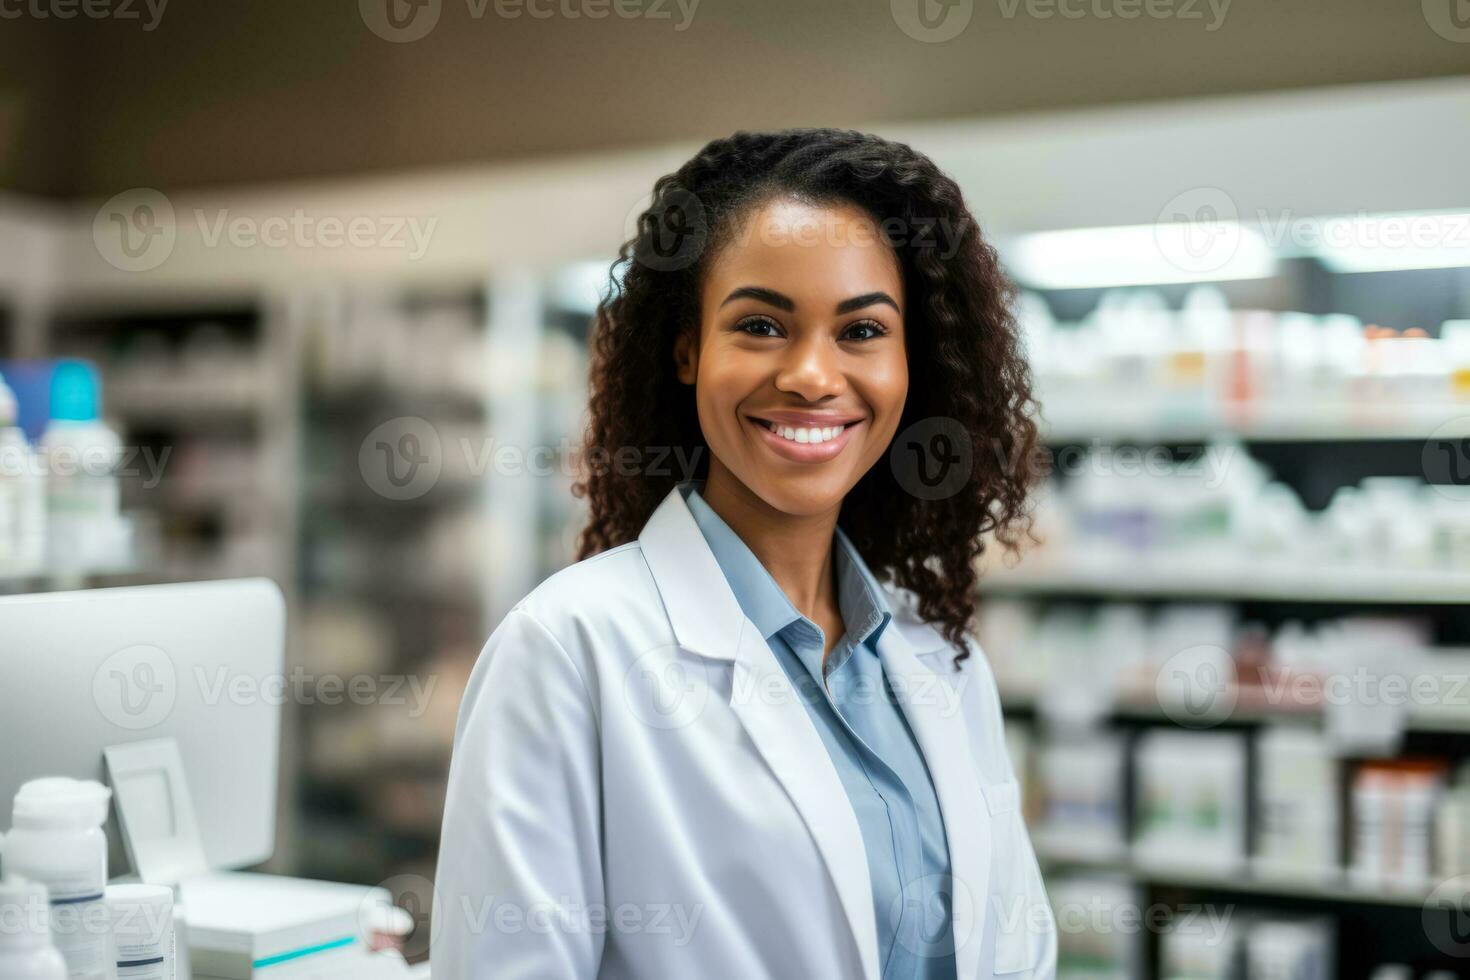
202,663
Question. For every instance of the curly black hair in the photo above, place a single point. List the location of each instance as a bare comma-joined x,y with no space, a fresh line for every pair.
967,370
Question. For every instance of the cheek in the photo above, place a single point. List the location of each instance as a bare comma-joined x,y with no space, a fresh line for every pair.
725,380
886,388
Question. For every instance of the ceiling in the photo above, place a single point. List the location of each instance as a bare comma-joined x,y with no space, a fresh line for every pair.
230,93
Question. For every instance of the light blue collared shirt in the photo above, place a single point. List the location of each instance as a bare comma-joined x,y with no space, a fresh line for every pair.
872,747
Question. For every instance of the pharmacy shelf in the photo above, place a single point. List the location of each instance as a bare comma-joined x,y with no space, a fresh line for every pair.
1264,580
380,567
186,401
1337,888
1113,417
1422,718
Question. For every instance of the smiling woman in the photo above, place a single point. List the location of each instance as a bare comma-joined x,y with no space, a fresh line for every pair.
725,711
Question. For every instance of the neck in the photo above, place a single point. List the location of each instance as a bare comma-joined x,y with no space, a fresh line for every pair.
795,548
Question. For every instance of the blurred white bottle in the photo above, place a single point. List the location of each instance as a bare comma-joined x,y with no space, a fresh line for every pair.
26,952
85,527
22,492
13,459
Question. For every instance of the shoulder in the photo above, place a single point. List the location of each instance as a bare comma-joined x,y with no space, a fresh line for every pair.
562,635
602,570
609,596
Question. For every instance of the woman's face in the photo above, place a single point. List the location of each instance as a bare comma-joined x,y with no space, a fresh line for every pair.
800,369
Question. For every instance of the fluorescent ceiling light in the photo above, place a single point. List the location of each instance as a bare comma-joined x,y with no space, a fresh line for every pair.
1140,255
1394,242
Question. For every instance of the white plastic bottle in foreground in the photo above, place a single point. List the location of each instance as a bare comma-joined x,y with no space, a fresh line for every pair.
142,931
57,840
26,952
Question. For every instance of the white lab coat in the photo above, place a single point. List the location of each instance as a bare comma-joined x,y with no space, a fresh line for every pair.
637,792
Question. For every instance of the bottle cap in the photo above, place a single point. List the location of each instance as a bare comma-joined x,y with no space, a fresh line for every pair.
60,802
75,392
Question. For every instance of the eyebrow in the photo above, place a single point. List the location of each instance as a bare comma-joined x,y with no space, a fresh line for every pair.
784,302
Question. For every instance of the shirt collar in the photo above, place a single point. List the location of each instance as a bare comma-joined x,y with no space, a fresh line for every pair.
864,606
865,611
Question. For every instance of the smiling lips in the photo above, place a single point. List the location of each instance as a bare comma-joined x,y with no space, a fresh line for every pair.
806,438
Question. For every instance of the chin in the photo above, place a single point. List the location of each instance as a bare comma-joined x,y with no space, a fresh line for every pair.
802,495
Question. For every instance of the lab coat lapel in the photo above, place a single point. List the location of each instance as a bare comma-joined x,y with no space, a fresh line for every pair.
769,707
703,611
707,619
938,723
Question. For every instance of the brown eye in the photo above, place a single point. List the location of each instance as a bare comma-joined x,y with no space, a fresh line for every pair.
864,330
759,326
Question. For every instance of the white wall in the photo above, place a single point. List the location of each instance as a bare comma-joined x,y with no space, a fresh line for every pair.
1394,147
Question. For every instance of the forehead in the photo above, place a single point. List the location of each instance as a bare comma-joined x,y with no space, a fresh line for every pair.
809,252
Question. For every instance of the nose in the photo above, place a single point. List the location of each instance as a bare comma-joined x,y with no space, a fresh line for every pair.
811,369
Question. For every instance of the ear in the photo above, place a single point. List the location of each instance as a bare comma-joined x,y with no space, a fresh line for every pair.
686,355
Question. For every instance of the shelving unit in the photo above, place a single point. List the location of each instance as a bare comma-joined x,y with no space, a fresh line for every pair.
258,406
1244,883
1138,708
392,584
1294,422
1265,582
197,393
1314,446
403,580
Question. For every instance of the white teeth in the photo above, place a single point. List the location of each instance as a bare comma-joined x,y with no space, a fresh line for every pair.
806,435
